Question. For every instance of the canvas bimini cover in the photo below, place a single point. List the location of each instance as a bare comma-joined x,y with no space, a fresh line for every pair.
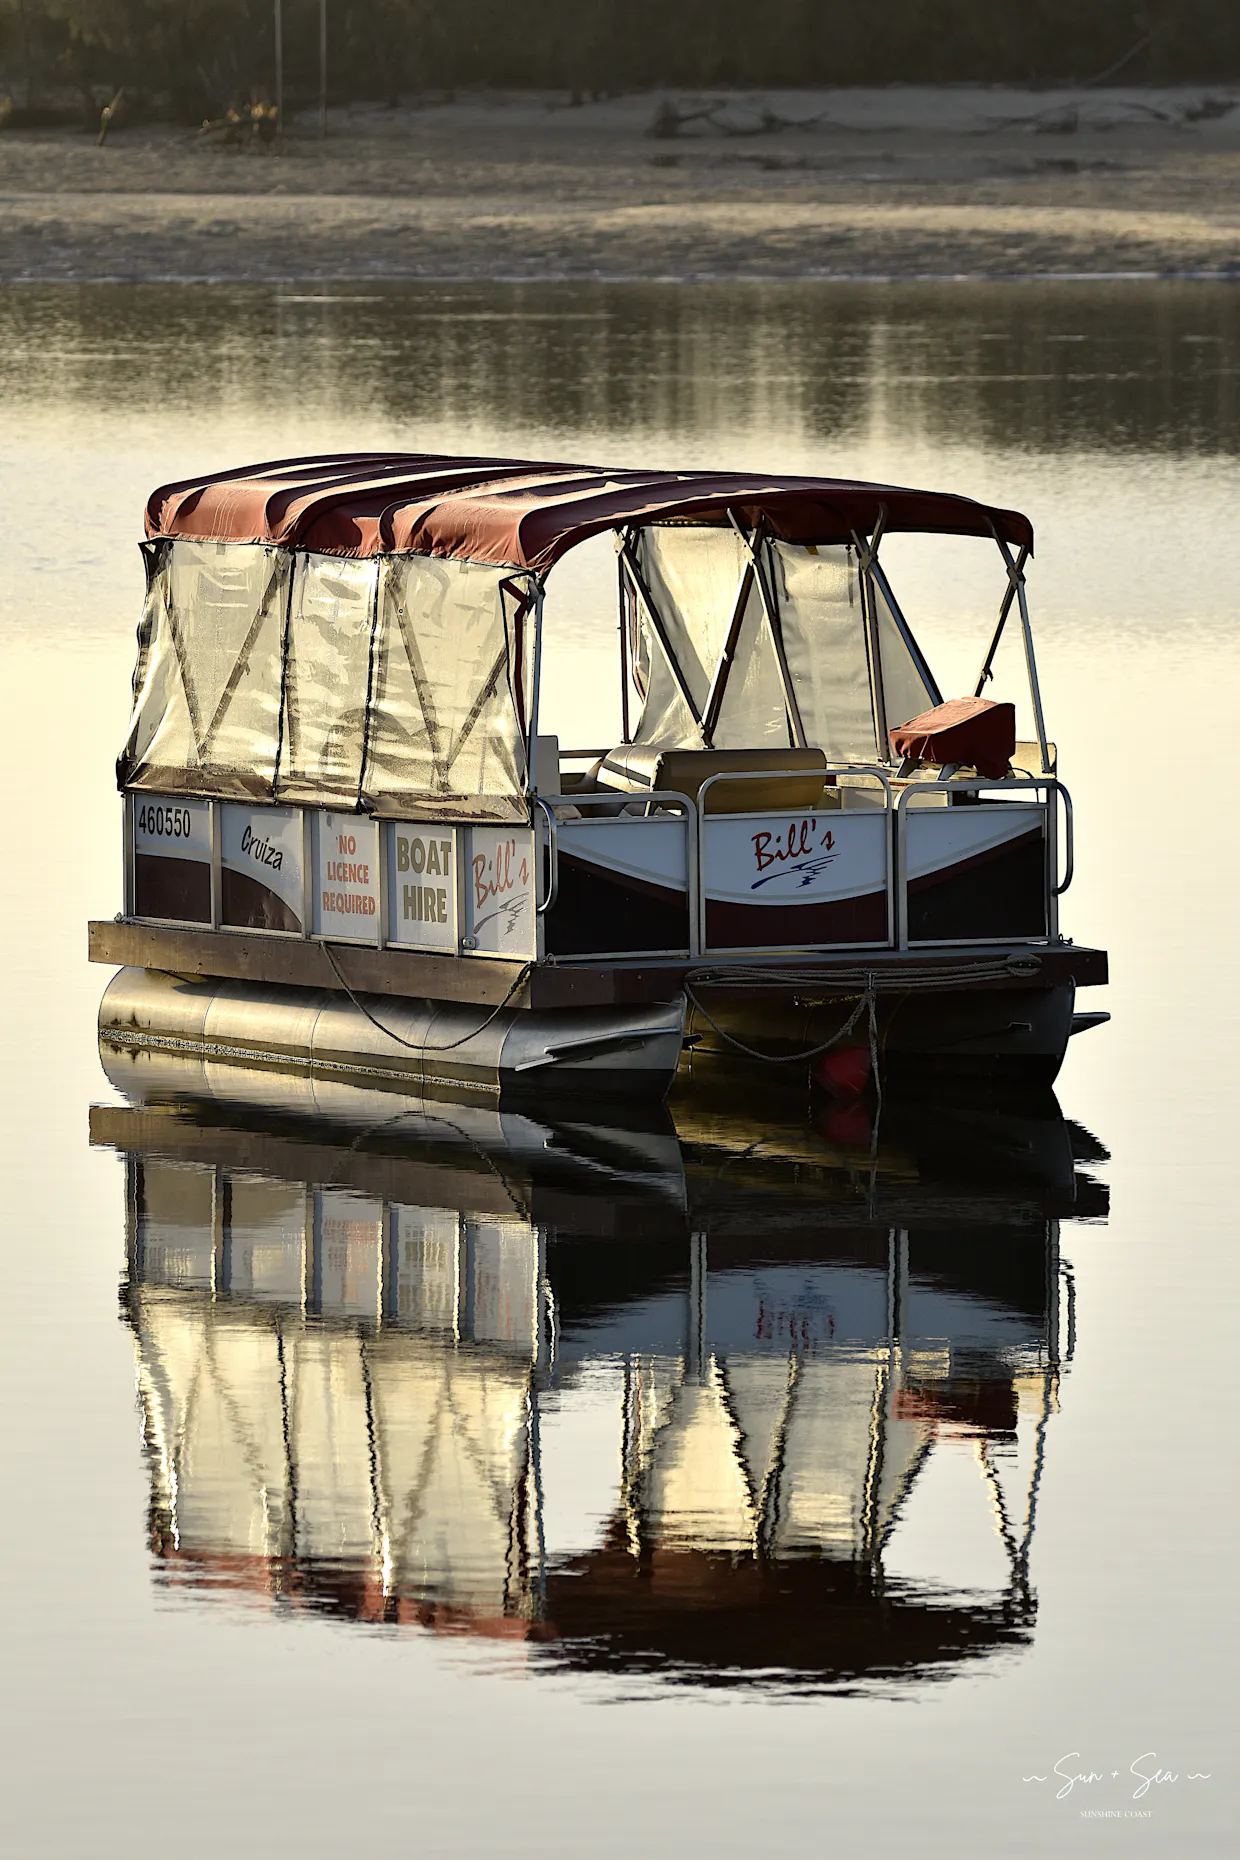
361,631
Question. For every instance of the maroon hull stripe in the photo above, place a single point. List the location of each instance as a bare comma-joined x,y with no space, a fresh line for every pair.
247,905
178,890
840,920
998,893
599,909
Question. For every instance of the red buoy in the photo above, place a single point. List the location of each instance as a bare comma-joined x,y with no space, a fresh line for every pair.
844,1071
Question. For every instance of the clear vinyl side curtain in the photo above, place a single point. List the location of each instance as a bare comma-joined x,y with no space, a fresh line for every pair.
709,617
268,675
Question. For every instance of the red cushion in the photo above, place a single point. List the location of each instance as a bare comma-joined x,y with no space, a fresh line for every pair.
972,730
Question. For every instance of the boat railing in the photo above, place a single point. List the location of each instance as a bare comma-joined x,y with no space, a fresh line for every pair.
998,791
714,826
754,881
892,815
548,804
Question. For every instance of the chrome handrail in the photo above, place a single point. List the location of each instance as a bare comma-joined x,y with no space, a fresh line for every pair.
553,859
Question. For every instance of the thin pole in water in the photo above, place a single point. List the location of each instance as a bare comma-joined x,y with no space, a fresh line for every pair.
322,67
279,29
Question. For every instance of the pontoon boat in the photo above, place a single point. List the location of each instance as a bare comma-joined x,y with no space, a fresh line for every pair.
351,846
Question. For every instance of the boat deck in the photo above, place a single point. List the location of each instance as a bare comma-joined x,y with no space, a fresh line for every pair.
304,963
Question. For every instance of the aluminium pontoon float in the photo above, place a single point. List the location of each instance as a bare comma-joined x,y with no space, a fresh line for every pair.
349,846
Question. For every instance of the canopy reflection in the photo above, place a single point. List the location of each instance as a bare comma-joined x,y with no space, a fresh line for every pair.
369,1332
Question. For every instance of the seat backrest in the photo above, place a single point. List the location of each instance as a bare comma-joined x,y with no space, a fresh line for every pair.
783,778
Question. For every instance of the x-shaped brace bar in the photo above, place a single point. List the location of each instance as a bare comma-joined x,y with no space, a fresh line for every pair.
628,555
752,543
1015,575
1015,591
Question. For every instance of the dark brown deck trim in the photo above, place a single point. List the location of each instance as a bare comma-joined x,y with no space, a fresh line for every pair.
290,962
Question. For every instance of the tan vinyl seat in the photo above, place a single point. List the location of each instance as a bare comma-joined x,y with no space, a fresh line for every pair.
795,780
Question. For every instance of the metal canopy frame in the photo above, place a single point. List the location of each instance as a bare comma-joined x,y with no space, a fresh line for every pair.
635,595
1015,591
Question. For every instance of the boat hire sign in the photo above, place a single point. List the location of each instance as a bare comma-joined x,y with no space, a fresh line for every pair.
422,886
346,877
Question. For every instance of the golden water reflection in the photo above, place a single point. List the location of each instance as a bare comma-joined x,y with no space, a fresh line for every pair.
372,1337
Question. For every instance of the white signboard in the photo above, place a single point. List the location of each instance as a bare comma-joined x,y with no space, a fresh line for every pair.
262,880
422,886
346,877
172,858
773,859
795,881
171,829
499,891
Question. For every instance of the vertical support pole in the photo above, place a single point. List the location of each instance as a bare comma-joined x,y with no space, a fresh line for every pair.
215,818
279,31
129,856
537,814
624,598
309,889
878,696
1032,669
382,835
322,67
536,681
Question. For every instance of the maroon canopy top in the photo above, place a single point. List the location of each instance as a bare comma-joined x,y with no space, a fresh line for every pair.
520,514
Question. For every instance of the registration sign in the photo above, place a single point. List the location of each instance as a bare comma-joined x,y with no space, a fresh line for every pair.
172,858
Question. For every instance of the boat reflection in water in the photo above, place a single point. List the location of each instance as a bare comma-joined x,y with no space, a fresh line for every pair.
646,1400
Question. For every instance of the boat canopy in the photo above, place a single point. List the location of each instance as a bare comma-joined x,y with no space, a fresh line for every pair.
363,632
518,513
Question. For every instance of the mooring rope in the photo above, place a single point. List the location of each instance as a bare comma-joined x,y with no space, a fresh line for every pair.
868,999
423,1046
847,981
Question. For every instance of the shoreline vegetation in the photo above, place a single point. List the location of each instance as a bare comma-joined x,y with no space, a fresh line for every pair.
913,181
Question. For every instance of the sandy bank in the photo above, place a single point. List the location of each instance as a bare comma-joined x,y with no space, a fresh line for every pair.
899,182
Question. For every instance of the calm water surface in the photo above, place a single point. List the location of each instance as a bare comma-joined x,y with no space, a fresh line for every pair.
353,1457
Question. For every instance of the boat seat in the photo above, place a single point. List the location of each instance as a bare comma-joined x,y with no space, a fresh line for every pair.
975,731
783,778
